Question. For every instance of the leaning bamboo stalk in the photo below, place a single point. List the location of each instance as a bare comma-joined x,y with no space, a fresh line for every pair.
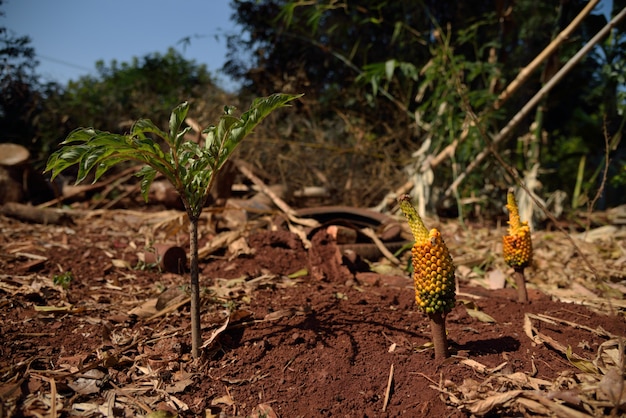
525,72
508,129
523,75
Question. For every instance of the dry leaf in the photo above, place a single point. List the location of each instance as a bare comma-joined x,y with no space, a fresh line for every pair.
215,333
263,410
585,365
122,264
89,382
614,387
474,311
480,315
483,406
223,400
146,309
496,279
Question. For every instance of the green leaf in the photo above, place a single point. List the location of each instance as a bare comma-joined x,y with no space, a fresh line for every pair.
176,120
259,110
80,134
64,158
390,67
104,167
90,159
180,136
149,146
188,166
143,126
148,174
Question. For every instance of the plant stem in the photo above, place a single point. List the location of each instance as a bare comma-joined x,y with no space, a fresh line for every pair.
196,329
438,329
520,282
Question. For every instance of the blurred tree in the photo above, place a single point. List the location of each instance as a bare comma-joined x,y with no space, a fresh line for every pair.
20,101
121,93
402,70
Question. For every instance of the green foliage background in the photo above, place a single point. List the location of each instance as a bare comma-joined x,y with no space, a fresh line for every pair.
382,80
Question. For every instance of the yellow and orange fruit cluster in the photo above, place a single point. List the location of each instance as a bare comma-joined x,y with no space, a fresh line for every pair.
517,245
433,268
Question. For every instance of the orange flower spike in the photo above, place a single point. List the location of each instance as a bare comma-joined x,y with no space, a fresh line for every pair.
517,245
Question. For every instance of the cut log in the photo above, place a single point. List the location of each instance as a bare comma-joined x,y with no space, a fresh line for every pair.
19,182
13,158
35,214
12,155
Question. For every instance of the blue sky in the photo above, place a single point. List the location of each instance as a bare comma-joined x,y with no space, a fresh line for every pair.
69,36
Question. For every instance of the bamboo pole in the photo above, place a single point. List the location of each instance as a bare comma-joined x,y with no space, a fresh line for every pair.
523,75
508,129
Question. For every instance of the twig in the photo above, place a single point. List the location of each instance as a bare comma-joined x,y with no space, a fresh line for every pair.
369,232
53,397
592,203
388,390
281,204
90,187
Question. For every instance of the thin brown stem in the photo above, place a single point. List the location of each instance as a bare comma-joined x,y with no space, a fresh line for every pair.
520,282
196,329
440,341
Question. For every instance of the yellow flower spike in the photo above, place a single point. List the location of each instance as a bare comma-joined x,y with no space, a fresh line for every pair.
418,229
433,269
433,276
517,246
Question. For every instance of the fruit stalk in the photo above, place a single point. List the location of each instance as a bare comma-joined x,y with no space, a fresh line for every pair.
433,276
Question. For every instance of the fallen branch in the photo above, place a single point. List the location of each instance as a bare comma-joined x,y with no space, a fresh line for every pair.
280,203
76,190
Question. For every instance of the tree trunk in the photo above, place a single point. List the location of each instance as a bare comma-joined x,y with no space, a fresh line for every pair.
196,329
440,341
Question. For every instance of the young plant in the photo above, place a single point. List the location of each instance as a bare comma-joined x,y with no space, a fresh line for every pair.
433,276
189,166
64,279
517,246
